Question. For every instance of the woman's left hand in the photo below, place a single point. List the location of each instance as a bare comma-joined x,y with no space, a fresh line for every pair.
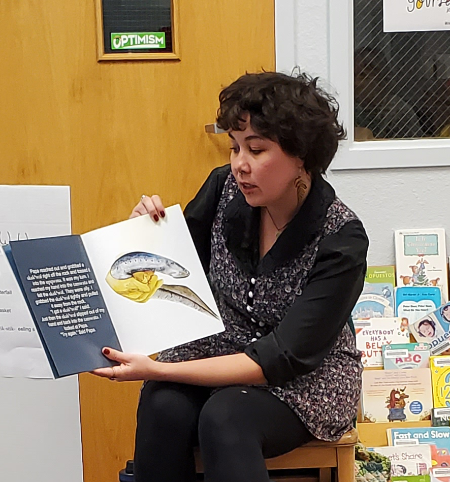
132,366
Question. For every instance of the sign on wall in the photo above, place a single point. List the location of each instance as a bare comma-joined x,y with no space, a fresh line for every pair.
416,15
136,29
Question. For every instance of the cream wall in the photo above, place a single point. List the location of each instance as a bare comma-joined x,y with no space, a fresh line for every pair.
385,199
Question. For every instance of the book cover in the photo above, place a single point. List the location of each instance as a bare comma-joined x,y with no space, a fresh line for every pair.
136,285
407,460
440,474
377,297
396,395
421,259
414,302
440,417
438,438
373,333
434,328
440,379
406,356
411,478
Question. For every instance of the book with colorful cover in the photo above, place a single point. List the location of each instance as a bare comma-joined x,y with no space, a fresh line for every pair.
411,478
377,297
414,302
434,328
373,333
406,356
438,438
396,395
407,460
440,379
421,259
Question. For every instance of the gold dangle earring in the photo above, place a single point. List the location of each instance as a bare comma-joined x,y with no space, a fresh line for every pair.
301,187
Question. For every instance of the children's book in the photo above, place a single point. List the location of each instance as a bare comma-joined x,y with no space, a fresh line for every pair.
406,356
411,478
137,286
440,379
414,302
438,438
407,460
421,259
440,417
396,395
373,333
434,328
377,297
440,474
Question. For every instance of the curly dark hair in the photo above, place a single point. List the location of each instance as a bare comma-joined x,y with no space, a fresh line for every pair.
290,110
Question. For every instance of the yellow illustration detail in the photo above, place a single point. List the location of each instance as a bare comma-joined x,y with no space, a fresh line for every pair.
419,4
140,287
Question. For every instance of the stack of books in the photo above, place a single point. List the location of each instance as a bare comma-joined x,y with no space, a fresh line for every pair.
402,323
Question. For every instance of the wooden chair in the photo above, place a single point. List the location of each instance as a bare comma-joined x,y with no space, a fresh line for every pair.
317,454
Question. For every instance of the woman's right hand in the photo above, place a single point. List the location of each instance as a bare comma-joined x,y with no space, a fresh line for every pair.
149,205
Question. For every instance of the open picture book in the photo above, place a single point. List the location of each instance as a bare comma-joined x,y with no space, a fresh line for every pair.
137,286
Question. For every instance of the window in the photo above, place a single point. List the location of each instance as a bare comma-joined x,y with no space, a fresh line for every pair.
393,87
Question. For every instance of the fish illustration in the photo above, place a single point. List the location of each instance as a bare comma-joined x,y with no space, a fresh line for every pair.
184,295
130,263
133,276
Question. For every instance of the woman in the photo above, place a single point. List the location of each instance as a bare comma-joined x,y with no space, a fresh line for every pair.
286,262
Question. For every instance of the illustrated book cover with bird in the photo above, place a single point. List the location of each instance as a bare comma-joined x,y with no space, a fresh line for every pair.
420,258
137,286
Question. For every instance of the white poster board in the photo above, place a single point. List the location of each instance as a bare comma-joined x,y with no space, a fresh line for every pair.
416,15
39,418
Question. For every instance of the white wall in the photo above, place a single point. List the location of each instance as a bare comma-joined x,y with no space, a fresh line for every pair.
384,199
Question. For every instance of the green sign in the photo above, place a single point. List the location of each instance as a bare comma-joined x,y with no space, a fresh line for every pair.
138,40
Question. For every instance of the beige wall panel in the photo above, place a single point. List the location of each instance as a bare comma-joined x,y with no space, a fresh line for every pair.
115,130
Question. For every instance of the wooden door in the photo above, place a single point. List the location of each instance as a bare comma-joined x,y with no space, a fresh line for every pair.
114,131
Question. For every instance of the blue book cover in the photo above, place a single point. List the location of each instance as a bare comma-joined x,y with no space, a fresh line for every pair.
413,302
64,299
437,437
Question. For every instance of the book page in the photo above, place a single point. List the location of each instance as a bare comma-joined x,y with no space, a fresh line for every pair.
153,283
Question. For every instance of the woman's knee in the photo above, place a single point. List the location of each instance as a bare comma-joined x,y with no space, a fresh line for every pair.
223,416
170,403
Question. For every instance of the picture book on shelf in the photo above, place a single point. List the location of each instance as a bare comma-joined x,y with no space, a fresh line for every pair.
406,356
407,460
440,474
411,478
434,328
373,333
414,302
377,297
137,286
440,417
438,438
421,259
396,395
440,379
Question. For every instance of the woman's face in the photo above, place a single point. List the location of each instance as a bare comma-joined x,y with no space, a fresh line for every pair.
426,329
264,172
446,313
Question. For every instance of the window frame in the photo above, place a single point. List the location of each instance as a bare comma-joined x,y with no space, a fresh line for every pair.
377,154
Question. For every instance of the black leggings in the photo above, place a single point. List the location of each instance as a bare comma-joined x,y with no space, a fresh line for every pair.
235,427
